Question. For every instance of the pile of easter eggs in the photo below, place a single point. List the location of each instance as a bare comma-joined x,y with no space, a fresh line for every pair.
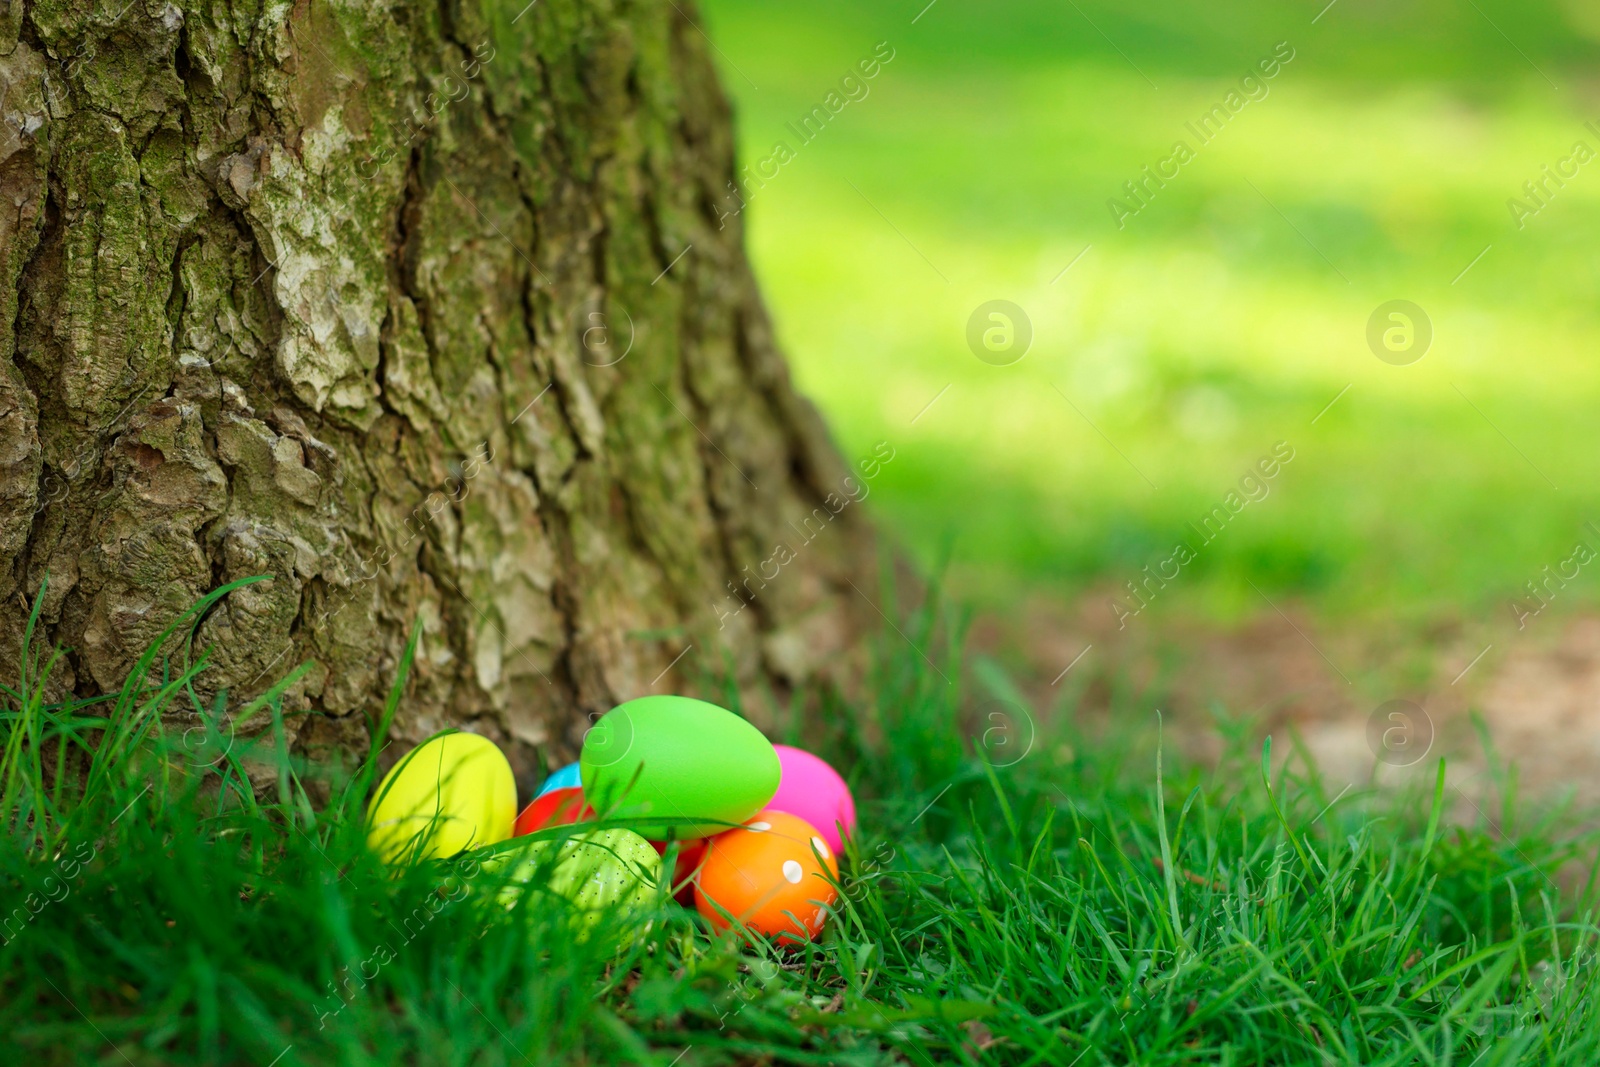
754,828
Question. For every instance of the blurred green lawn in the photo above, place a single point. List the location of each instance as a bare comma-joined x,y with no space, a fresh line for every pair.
1223,317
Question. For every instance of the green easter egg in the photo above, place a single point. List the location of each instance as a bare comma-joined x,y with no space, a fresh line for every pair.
448,794
600,871
671,757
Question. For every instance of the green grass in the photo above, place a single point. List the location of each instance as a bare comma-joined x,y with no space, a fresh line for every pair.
1223,318
1020,893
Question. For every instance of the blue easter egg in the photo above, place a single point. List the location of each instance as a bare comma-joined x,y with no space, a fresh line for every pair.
565,778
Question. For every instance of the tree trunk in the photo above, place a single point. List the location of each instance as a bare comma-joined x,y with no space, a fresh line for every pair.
427,311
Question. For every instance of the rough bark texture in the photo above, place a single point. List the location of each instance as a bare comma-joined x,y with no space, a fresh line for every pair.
321,290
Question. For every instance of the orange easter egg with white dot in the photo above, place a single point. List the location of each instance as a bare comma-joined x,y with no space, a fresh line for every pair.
772,875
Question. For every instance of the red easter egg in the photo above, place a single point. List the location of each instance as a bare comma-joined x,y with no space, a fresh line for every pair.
556,808
690,855
772,875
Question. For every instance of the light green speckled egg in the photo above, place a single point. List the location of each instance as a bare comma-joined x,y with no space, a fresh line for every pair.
601,871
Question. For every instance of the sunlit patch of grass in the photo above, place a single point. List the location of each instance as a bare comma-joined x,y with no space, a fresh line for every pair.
1224,316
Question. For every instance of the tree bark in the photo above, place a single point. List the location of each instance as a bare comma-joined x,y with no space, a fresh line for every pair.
426,311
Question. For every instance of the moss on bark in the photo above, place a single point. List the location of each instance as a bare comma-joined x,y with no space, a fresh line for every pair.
340,293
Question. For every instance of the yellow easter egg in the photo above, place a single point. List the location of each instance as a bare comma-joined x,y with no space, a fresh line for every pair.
450,793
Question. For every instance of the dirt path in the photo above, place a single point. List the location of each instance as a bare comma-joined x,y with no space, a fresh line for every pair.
1537,693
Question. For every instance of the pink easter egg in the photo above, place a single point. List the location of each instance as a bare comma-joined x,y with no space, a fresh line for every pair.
812,790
